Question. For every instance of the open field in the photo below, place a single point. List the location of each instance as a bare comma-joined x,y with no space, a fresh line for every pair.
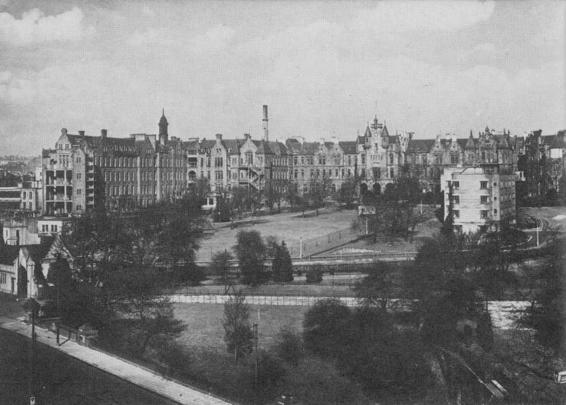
204,323
288,227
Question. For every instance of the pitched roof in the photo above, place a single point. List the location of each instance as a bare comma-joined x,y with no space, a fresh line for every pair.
232,145
349,147
420,145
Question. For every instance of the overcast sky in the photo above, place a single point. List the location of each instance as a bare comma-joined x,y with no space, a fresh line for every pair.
324,68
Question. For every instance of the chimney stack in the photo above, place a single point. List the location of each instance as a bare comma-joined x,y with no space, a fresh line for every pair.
219,137
81,133
103,133
63,131
265,128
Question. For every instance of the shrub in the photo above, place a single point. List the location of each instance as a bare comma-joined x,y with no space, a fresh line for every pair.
325,327
314,275
289,346
318,382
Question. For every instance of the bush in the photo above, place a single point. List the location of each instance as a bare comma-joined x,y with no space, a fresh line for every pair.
289,346
314,275
317,382
325,327
271,373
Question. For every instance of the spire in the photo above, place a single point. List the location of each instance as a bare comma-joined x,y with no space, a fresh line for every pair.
163,132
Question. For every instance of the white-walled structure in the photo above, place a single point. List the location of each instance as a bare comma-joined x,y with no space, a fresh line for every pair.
482,197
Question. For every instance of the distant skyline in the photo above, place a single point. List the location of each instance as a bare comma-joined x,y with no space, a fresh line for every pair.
324,68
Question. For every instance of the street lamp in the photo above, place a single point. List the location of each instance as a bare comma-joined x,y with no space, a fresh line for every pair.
33,306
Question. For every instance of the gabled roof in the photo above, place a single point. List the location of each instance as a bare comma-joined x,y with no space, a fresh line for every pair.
420,145
277,148
233,145
207,144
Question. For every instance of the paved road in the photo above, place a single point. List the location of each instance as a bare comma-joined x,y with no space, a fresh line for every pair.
125,370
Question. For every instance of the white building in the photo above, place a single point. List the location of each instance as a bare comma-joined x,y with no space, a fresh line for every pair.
482,197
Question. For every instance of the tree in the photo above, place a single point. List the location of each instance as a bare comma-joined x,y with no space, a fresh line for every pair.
347,192
289,346
238,332
292,194
61,278
319,189
220,266
376,288
547,314
138,292
274,192
325,326
395,213
250,251
282,267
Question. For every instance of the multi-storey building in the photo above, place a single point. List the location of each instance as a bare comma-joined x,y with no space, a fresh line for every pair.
481,197
84,172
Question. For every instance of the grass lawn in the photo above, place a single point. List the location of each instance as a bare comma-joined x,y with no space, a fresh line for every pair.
288,227
204,323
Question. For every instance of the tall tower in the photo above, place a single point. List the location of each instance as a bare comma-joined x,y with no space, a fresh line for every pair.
265,120
163,124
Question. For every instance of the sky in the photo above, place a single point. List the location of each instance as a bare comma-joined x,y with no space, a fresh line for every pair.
324,68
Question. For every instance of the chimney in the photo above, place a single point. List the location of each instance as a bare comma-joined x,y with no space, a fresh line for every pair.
265,128
81,133
103,133
218,137
63,131
247,136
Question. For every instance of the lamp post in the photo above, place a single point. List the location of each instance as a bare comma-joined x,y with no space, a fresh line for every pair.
33,307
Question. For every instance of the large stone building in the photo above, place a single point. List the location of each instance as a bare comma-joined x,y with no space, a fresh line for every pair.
83,172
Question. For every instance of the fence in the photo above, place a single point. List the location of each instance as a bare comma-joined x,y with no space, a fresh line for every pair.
309,247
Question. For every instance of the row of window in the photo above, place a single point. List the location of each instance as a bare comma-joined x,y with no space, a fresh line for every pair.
483,213
45,228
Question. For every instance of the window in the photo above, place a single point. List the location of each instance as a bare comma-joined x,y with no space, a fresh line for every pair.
456,213
79,207
218,175
456,185
79,175
218,162
456,199
483,185
3,278
295,160
483,199
79,191
363,159
391,158
44,228
53,228
483,214
391,172
495,212
78,159
454,158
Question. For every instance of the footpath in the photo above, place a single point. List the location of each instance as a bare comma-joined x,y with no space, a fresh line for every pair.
120,368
